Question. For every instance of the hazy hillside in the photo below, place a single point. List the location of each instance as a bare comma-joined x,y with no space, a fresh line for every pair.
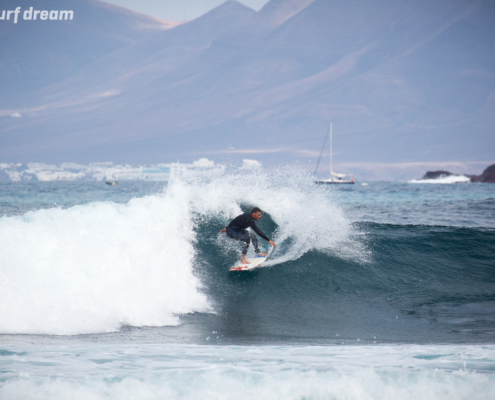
38,53
401,81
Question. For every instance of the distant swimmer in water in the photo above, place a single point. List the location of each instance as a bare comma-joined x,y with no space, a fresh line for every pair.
237,230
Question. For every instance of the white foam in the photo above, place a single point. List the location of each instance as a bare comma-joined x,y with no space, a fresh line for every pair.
95,267
227,383
268,372
444,179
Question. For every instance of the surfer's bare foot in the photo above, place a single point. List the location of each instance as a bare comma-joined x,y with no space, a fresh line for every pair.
262,254
244,261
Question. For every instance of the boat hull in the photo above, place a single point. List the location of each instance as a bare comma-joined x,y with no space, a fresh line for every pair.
329,182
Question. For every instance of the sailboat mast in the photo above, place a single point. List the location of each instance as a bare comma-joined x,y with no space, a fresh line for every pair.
331,169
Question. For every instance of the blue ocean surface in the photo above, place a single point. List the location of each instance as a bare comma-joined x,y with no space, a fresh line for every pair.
374,291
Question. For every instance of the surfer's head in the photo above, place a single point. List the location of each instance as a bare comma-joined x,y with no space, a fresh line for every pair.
256,213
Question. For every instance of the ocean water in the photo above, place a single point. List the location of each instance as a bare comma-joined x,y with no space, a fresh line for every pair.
374,291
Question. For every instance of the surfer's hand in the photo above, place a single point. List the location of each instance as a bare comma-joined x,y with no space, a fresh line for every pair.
223,230
272,243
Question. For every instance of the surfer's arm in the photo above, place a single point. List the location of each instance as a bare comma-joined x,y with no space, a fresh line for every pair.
223,230
257,230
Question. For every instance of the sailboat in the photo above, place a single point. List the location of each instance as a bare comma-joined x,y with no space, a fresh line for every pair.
335,178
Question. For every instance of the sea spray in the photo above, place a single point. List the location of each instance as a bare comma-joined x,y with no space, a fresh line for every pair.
306,215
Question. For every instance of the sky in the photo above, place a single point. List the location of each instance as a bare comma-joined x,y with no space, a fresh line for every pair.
179,10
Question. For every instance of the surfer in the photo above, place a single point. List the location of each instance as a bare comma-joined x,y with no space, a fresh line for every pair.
237,230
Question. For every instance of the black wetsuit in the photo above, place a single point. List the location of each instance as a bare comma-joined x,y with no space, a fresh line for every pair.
237,230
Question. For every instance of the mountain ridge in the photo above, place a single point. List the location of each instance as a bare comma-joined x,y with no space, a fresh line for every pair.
390,86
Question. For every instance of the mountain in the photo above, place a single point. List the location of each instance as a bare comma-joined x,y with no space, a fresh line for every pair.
401,81
37,53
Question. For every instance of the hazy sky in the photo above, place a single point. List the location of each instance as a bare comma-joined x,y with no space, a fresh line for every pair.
179,9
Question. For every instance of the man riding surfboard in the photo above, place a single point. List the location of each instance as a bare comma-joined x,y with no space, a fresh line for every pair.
237,230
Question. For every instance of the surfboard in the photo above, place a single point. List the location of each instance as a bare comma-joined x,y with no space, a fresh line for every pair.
254,262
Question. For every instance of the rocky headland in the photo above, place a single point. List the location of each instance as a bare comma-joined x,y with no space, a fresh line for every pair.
488,176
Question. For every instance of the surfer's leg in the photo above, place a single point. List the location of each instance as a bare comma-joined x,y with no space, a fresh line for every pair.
246,239
254,238
255,242
243,236
245,247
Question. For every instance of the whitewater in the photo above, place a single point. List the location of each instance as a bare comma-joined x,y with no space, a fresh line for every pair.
209,372
384,290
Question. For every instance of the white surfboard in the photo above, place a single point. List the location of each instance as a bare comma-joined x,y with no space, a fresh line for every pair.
253,263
